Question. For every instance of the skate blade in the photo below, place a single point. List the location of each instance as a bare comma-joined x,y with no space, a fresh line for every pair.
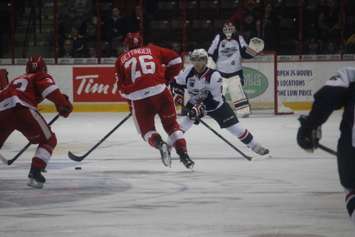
190,167
166,161
165,155
262,157
34,184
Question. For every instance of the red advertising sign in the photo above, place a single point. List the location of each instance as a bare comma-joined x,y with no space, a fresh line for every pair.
95,84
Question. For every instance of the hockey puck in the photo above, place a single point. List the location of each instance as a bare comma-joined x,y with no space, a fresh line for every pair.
78,168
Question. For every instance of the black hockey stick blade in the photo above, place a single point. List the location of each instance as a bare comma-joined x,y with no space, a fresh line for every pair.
9,162
327,149
226,141
75,157
80,158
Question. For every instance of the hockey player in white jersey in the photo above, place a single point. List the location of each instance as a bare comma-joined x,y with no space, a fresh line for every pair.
204,87
226,52
338,92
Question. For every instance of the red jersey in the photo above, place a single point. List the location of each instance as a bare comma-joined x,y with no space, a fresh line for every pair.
145,71
27,90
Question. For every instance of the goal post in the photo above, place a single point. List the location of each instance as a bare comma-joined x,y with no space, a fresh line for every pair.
262,85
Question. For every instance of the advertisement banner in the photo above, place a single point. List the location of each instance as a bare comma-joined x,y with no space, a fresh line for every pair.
95,84
298,81
259,83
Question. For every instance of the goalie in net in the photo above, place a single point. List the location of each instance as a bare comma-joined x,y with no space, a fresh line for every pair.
226,53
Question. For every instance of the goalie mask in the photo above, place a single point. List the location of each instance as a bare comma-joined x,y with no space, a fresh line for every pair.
228,30
4,80
133,40
199,58
36,64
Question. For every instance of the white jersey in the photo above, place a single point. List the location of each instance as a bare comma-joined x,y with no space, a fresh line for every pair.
228,53
205,87
343,77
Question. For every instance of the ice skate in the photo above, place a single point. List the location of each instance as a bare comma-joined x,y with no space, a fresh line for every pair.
244,115
185,159
165,153
35,178
260,150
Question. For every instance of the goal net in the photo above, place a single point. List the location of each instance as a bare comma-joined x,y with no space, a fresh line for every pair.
262,86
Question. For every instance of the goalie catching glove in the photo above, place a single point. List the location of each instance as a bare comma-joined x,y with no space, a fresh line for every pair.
256,44
308,138
197,112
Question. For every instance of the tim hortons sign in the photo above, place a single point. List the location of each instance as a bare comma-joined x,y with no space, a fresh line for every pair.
95,84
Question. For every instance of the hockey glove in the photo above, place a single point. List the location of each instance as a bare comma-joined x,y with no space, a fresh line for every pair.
256,44
65,108
197,112
62,103
178,94
308,138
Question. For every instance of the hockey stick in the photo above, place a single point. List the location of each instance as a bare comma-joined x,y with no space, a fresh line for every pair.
327,149
80,158
226,141
9,162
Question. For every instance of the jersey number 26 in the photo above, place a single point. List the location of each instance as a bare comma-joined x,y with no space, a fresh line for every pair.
144,65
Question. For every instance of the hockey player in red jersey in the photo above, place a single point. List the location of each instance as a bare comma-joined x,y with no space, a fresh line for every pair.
18,111
144,73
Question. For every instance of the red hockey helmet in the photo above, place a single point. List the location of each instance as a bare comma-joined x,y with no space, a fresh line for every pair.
36,64
133,40
4,80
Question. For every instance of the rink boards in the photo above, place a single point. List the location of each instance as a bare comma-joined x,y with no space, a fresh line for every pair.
93,87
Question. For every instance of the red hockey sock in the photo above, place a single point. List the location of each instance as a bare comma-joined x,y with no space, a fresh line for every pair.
38,163
180,145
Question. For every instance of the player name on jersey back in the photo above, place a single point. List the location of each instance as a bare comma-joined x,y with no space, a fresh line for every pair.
133,52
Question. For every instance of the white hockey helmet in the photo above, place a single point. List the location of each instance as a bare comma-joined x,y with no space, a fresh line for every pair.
198,55
199,58
228,29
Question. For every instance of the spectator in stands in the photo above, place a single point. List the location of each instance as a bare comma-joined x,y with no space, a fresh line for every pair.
108,50
133,20
329,21
92,52
78,8
115,26
89,29
79,47
330,48
247,17
67,51
350,44
270,27
73,12
5,31
149,11
310,19
312,46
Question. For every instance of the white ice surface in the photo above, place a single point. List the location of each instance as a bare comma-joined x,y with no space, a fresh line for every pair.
124,190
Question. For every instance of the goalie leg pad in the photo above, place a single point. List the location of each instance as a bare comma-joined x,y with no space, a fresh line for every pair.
238,97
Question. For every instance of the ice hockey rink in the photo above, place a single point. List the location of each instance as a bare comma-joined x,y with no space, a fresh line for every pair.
123,189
